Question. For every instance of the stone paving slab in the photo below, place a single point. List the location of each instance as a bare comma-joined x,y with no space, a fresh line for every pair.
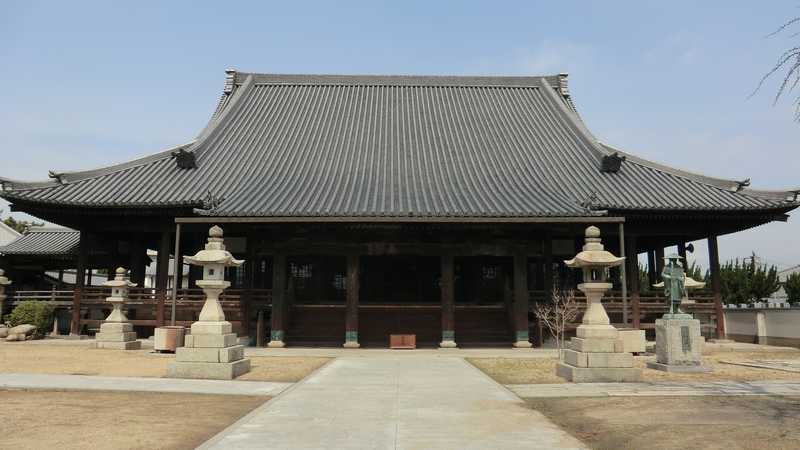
138,384
401,402
675,389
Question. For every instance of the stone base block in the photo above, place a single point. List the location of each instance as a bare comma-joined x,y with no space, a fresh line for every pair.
523,344
633,341
679,342
582,359
209,354
276,344
448,344
679,368
598,374
116,327
212,328
208,370
129,345
116,337
597,331
597,345
210,340
349,344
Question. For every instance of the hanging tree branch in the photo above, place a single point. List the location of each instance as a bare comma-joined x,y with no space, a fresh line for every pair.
789,62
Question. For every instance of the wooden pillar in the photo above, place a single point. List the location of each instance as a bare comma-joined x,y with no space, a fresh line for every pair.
682,254
659,261
278,301
113,258
249,278
652,271
716,284
353,281
80,280
623,275
447,289
547,260
136,263
521,296
162,275
632,260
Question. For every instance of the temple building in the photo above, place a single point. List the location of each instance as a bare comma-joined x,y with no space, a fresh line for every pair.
365,206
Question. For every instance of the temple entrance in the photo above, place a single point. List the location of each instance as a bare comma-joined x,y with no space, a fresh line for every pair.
483,297
400,295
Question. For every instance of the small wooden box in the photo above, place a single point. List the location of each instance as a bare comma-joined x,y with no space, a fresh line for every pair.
403,341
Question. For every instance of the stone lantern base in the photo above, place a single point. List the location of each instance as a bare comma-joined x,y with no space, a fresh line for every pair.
597,355
211,352
117,336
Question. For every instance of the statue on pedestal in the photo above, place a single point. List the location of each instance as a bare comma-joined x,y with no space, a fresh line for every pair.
679,344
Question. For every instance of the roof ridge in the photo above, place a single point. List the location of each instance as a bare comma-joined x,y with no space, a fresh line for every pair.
400,80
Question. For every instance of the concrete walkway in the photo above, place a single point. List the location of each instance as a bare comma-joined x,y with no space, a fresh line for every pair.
95,383
682,388
395,402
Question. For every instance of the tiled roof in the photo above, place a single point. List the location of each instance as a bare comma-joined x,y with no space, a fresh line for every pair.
396,146
44,241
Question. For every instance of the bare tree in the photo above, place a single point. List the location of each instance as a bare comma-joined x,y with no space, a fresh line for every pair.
557,313
788,64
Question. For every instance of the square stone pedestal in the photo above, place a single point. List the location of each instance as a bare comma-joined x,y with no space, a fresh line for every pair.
117,336
679,345
211,352
596,355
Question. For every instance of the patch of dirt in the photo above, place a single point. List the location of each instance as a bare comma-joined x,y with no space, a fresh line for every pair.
663,423
290,369
116,420
542,370
22,357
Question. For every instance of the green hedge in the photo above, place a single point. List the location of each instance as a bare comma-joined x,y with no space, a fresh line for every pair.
35,313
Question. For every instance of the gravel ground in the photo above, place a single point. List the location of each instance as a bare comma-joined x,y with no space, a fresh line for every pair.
667,423
116,420
541,370
22,357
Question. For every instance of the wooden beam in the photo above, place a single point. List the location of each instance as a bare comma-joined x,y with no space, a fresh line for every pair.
80,279
716,284
447,287
399,220
353,282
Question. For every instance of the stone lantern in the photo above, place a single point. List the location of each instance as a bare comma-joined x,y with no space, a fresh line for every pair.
211,351
3,283
596,354
116,332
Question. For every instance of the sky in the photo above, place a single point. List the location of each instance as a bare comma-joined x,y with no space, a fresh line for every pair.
87,84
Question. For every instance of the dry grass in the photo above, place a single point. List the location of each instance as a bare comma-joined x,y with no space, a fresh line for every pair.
725,423
542,370
23,357
116,420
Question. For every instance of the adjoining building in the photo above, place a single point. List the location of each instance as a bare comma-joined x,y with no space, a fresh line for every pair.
7,234
364,206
